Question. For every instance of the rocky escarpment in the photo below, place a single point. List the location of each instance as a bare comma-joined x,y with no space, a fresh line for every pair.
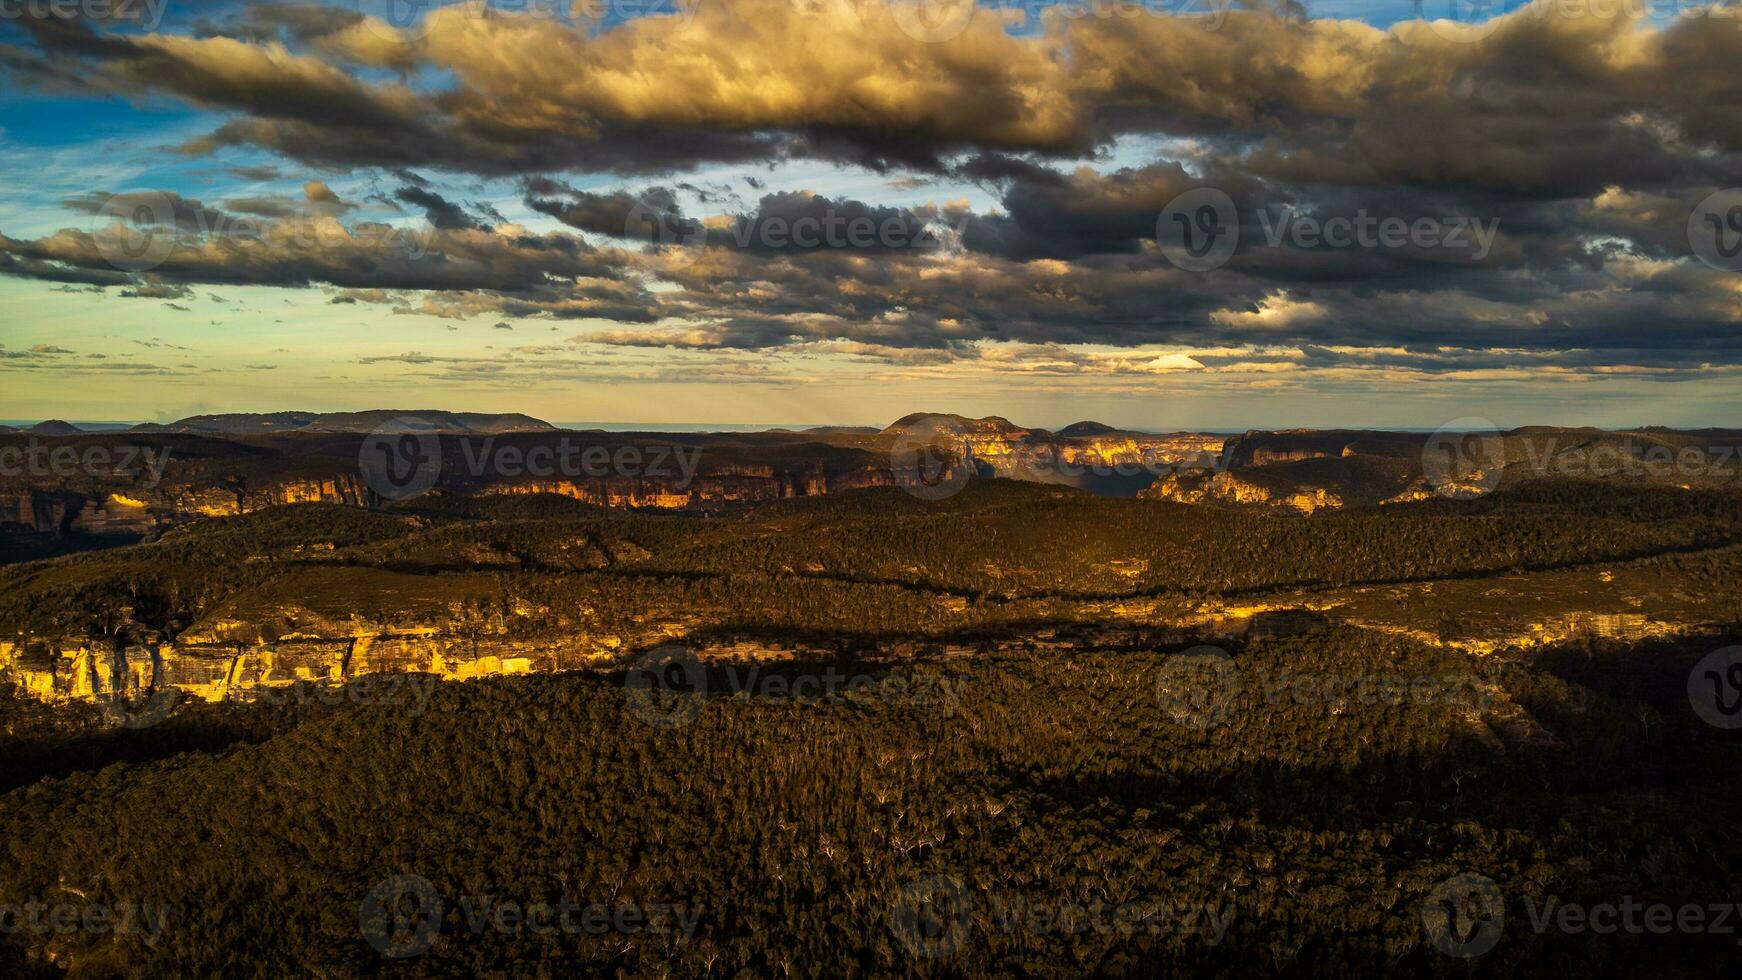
223,479
1227,489
713,491
1263,448
142,512
1300,484
1075,455
237,660
71,668
294,463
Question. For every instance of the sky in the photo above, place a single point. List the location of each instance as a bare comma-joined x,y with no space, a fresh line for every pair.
1161,214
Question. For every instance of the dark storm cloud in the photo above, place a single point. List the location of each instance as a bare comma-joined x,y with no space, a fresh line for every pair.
650,214
163,208
1052,215
266,207
24,267
781,222
282,21
190,243
797,221
440,212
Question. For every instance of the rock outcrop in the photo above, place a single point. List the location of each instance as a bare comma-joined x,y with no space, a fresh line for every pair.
1238,490
1088,455
237,661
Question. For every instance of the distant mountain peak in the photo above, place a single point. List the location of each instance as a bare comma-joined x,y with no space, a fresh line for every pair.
269,423
991,423
1086,428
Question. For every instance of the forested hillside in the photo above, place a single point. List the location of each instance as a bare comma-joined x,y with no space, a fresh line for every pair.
796,832
869,561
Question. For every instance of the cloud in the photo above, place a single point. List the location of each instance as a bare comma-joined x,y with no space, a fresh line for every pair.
1591,136
266,207
222,248
25,267
1274,312
1604,100
440,212
160,208
158,290
259,173
651,214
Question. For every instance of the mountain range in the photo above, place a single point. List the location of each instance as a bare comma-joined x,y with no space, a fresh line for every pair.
217,465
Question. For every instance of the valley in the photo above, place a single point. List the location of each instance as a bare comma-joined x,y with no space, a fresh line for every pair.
928,716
